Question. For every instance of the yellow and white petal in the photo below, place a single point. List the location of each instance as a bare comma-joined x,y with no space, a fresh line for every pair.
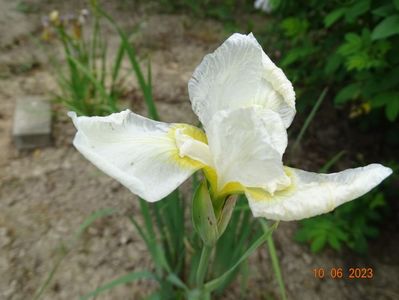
239,74
311,194
140,153
247,145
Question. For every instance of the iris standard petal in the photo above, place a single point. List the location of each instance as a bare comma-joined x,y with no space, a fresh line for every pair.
247,145
311,194
140,153
239,74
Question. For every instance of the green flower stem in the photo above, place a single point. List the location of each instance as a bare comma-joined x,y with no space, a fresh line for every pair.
203,265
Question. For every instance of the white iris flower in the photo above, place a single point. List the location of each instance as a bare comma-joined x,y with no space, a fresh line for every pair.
245,104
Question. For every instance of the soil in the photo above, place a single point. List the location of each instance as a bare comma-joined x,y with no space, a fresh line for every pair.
46,194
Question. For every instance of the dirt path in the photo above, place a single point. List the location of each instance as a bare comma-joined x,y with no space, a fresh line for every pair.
46,194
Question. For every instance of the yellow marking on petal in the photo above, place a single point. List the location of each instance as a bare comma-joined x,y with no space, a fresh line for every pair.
193,132
259,194
212,177
232,188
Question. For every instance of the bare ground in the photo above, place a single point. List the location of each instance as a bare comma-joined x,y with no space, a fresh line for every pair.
45,194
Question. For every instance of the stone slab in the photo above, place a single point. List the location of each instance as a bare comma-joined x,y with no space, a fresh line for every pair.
32,123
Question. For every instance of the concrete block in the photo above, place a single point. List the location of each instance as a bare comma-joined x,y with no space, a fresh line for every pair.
32,123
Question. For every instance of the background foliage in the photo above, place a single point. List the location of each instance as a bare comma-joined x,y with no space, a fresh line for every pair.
349,47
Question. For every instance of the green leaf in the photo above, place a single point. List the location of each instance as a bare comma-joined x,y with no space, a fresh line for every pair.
377,201
296,54
334,242
333,17
121,280
349,92
333,63
383,99
203,215
386,28
396,3
384,11
392,109
359,8
318,243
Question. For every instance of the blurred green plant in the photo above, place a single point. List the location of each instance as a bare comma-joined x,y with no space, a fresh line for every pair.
87,85
349,45
351,224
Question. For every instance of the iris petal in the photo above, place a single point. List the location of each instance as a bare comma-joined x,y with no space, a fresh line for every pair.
311,194
239,74
140,153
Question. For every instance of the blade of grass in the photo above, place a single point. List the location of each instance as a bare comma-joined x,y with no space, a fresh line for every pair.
131,53
121,280
309,119
275,261
116,67
327,166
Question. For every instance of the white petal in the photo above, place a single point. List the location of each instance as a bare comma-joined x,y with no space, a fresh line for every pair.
264,5
239,74
311,194
140,153
247,146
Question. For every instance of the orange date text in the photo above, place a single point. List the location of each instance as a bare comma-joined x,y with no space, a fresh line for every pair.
342,273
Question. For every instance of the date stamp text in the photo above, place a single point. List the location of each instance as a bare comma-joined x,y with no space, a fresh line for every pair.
343,273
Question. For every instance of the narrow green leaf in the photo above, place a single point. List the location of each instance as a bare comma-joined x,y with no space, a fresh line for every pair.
172,278
117,66
92,218
275,261
309,119
332,162
121,280
386,28
215,283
